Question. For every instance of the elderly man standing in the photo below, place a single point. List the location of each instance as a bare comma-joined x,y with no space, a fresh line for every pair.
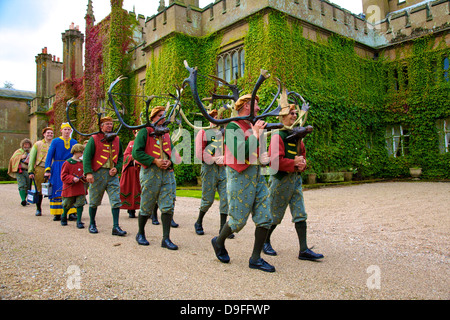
18,168
57,154
246,187
154,153
102,160
36,166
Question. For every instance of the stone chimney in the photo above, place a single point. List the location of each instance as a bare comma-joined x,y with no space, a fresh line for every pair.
162,5
193,3
48,74
73,41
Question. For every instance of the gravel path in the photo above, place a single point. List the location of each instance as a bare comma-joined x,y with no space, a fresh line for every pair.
386,240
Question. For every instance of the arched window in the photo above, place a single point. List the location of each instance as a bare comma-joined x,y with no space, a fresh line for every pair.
220,68
227,68
231,64
235,68
242,62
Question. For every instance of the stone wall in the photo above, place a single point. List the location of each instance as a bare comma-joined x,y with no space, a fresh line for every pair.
14,126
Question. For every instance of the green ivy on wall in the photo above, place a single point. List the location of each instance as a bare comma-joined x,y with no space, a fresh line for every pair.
107,57
353,99
167,69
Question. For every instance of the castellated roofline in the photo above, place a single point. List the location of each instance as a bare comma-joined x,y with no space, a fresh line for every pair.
364,28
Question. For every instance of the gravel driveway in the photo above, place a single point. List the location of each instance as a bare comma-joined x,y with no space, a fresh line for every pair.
386,240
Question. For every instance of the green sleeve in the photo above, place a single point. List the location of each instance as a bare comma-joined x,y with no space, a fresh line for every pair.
88,154
138,152
120,159
32,162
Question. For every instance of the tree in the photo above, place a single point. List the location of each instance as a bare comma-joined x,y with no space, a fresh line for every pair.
8,85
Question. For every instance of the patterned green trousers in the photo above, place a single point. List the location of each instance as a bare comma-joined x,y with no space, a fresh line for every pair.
214,178
284,192
76,201
173,181
157,187
23,181
104,182
247,193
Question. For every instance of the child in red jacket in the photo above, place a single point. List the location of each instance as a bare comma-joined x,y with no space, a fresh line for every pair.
74,190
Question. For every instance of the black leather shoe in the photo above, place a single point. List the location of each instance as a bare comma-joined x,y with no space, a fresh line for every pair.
261,264
166,243
308,254
72,217
57,217
198,229
155,219
221,253
140,238
116,231
64,221
23,203
267,249
38,213
93,228
131,214
80,225
173,224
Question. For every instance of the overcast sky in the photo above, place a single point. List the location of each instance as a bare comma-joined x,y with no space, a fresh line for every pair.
27,26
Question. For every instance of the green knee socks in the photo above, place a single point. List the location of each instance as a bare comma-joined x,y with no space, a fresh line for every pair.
260,238
300,227
114,211
92,213
269,233
201,214
64,215
224,234
142,220
23,194
223,220
115,215
79,213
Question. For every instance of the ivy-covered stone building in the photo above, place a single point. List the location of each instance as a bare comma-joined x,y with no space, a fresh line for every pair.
378,83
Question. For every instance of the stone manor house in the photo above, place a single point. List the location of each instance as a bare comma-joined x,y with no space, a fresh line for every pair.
398,37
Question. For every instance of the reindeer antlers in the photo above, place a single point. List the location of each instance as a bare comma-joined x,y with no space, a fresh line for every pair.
192,81
73,103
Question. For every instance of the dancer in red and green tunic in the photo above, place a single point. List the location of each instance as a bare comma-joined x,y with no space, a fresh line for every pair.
102,160
154,153
209,149
285,187
246,186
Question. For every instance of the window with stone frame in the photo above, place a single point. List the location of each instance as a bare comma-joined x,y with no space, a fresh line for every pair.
446,66
397,140
231,64
443,130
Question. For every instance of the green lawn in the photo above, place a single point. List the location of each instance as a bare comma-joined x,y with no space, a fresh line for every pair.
183,192
191,193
